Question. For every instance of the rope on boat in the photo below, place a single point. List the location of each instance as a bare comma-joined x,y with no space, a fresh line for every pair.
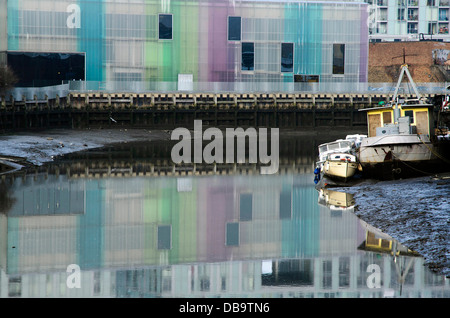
436,154
418,170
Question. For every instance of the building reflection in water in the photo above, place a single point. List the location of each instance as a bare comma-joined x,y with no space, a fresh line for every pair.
197,236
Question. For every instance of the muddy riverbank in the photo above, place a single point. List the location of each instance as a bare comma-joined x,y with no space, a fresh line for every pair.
39,147
414,211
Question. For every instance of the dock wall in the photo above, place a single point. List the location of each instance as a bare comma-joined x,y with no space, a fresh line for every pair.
171,110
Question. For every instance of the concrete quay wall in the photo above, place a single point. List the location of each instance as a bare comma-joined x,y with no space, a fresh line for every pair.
170,110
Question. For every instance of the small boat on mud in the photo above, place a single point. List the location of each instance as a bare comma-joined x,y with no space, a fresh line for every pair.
341,166
337,159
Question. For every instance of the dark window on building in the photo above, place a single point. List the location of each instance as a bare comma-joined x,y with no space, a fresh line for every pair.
299,78
248,56
443,14
287,57
97,283
410,113
46,69
234,28
232,234
205,284
344,272
15,287
432,27
338,58
164,237
223,285
295,272
412,28
400,14
285,205
245,207
165,26
327,276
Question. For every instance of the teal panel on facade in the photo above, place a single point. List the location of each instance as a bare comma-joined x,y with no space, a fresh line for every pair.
90,235
91,37
300,235
13,25
303,26
12,246
288,78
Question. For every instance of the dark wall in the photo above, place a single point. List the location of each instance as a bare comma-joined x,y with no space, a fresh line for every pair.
45,69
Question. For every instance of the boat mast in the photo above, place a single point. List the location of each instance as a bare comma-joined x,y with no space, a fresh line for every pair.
404,70
394,101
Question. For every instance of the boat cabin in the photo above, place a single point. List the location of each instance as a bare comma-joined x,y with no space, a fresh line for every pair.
344,157
340,145
400,118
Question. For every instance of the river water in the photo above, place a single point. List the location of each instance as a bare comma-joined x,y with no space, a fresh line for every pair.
120,221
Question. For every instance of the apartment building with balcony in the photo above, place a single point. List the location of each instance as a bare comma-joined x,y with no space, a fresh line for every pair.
408,20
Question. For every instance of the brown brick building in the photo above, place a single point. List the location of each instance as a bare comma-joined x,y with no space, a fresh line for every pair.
426,61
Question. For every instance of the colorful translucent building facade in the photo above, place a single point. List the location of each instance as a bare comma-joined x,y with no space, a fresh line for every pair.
202,40
208,236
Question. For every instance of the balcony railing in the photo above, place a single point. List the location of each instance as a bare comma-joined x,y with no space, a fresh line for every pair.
443,30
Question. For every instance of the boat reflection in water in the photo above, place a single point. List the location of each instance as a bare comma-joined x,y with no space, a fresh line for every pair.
336,200
236,235
402,258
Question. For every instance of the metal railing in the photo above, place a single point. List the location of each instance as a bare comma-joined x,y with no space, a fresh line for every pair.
51,92
258,87
39,93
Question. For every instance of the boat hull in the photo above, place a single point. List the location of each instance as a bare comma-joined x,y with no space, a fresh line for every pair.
400,157
339,169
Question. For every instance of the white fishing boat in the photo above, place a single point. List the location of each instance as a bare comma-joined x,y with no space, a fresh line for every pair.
399,142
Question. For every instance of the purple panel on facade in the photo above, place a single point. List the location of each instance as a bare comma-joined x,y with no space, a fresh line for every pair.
231,63
217,41
220,209
364,46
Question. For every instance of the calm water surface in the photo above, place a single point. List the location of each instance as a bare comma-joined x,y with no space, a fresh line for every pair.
137,229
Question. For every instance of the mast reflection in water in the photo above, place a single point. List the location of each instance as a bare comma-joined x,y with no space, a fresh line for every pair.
223,234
